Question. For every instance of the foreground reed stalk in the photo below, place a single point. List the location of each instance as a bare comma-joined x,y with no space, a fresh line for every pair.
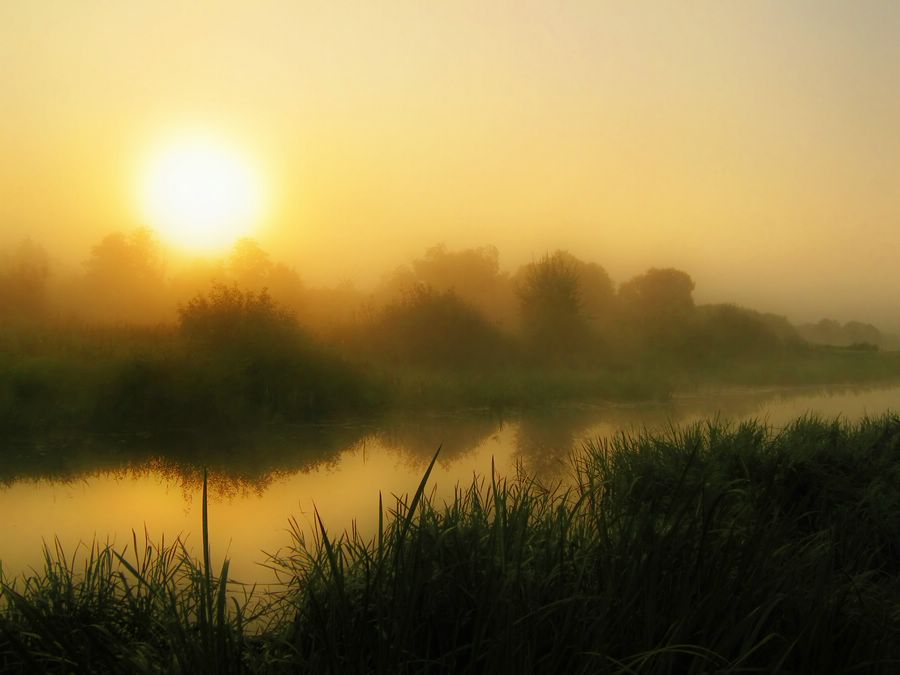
712,548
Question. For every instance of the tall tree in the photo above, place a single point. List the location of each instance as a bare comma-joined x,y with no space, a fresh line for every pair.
550,305
250,265
659,304
125,277
23,279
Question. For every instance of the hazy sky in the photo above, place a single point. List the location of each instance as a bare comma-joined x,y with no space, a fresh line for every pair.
754,144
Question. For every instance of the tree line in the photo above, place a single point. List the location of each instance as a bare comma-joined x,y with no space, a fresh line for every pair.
448,307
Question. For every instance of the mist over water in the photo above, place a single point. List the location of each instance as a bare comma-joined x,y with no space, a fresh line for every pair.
630,266
106,488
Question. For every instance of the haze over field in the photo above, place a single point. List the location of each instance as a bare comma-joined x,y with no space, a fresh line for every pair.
756,145
426,336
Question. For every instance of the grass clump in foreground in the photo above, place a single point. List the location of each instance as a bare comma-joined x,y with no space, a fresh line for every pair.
709,549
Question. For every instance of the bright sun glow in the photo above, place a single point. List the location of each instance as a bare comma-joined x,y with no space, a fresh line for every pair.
200,195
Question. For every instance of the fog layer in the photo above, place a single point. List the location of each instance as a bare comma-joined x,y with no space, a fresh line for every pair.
756,145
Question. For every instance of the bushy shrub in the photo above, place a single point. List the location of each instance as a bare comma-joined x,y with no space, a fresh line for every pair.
239,358
432,328
550,303
231,318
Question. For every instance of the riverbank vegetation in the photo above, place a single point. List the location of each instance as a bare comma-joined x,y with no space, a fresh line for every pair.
127,346
713,548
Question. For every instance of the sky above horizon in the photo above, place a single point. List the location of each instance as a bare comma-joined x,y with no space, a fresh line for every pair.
755,145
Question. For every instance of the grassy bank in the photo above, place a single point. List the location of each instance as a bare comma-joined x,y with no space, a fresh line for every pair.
710,549
124,379
74,379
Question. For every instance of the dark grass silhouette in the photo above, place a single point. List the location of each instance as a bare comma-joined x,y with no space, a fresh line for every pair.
712,548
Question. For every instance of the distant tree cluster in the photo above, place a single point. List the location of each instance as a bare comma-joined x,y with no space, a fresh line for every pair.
444,309
551,305
429,327
473,275
156,343
561,310
24,271
850,334
228,316
123,278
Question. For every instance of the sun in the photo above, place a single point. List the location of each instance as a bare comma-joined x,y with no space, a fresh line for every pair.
200,194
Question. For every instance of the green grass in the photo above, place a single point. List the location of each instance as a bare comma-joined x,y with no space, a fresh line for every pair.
712,548
157,380
811,365
517,387
75,379
147,609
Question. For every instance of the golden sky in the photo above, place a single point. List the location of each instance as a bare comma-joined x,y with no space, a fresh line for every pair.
755,144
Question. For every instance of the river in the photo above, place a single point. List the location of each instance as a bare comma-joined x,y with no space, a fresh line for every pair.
79,490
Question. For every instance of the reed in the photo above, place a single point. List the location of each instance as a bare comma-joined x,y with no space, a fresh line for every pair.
711,548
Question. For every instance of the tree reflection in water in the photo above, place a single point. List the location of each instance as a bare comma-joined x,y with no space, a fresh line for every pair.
543,439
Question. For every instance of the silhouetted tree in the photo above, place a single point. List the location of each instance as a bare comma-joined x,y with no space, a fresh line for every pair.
729,332
596,291
230,317
250,354
659,306
335,311
135,258
659,292
249,265
859,333
467,272
473,274
124,277
550,304
23,280
434,328
781,327
831,332
394,285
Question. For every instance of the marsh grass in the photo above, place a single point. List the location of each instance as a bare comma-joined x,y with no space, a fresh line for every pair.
248,374
146,608
711,548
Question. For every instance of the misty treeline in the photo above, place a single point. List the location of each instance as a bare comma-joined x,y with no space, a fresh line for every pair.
446,306
130,337
853,334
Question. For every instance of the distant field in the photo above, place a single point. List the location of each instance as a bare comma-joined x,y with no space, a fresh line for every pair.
165,379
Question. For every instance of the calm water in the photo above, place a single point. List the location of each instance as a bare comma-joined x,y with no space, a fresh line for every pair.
83,489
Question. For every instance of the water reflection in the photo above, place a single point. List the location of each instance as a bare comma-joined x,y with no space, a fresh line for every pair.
238,463
458,435
541,439
79,488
